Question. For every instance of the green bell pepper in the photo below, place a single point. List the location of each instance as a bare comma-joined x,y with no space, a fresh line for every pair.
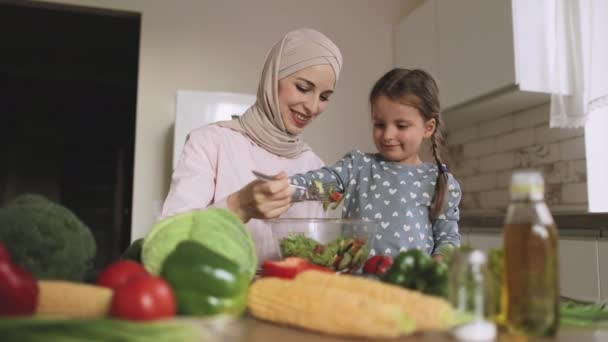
205,282
397,273
417,271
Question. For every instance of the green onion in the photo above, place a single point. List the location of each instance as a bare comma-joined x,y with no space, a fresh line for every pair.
577,313
62,330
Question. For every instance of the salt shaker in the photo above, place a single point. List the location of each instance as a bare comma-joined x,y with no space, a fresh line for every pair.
469,291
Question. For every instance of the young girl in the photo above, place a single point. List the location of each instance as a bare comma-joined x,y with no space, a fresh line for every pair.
414,203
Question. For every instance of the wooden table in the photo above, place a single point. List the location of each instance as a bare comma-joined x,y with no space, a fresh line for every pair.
249,329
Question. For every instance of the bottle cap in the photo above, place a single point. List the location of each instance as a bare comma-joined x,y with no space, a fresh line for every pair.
477,257
527,184
475,331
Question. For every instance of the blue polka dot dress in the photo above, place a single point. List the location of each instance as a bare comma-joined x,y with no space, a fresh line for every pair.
397,196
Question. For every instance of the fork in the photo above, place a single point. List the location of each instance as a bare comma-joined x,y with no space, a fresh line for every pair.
311,193
266,177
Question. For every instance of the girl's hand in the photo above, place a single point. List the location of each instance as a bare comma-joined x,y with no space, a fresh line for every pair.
262,199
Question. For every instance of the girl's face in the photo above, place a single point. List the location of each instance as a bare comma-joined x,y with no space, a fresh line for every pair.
399,130
303,96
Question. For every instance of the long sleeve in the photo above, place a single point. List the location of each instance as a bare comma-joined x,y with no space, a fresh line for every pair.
194,178
339,174
445,227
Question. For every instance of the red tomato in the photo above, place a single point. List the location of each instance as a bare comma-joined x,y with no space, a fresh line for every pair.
143,298
119,272
335,196
378,265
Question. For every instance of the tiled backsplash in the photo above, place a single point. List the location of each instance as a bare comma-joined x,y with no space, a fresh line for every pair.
482,158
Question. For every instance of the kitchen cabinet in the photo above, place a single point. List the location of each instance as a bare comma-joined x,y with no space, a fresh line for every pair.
416,40
578,261
602,253
485,241
476,52
486,54
581,270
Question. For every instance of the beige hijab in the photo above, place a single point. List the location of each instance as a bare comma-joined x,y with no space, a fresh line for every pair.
262,122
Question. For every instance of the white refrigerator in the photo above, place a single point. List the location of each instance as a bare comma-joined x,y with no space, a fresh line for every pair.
198,108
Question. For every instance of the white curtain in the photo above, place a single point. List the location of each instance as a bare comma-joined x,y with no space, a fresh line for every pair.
579,67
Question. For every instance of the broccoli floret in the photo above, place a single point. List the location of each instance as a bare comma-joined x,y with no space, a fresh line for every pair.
47,239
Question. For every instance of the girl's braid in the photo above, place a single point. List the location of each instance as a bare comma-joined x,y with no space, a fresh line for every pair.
442,174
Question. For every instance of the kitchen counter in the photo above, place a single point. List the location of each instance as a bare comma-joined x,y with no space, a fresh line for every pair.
252,330
583,225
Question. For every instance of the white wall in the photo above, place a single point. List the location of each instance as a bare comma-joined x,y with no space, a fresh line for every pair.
221,45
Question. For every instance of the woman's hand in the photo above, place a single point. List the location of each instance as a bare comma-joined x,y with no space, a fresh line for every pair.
262,199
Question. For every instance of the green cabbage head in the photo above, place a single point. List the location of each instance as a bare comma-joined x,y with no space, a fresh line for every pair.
218,229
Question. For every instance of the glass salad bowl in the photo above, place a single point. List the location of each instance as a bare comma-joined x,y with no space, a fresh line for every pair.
338,244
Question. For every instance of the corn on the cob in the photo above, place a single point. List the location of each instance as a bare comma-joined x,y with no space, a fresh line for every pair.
330,311
73,300
429,312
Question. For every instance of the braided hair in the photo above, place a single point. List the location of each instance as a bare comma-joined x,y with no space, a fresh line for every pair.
417,88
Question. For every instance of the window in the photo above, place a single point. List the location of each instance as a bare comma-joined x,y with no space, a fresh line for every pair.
578,60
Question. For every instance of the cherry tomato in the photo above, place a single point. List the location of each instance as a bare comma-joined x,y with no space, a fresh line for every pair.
335,196
143,298
378,265
119,272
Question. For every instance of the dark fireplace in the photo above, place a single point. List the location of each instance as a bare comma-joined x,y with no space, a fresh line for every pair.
68,80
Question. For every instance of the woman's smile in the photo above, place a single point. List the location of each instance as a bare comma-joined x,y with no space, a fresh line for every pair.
300,120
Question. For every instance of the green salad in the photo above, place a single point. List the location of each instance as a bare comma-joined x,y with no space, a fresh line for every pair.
344,254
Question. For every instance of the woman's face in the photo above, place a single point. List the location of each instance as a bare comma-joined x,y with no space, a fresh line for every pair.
399,130
303,96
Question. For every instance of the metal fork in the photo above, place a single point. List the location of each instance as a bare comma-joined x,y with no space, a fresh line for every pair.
266,177
311,193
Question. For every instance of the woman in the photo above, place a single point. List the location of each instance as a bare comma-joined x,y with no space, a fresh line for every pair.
215,168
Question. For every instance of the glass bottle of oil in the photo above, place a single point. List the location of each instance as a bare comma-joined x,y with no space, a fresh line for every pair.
530,297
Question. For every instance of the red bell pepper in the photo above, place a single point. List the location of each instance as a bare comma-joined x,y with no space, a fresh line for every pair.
4,253
289,267
378,265
18,288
